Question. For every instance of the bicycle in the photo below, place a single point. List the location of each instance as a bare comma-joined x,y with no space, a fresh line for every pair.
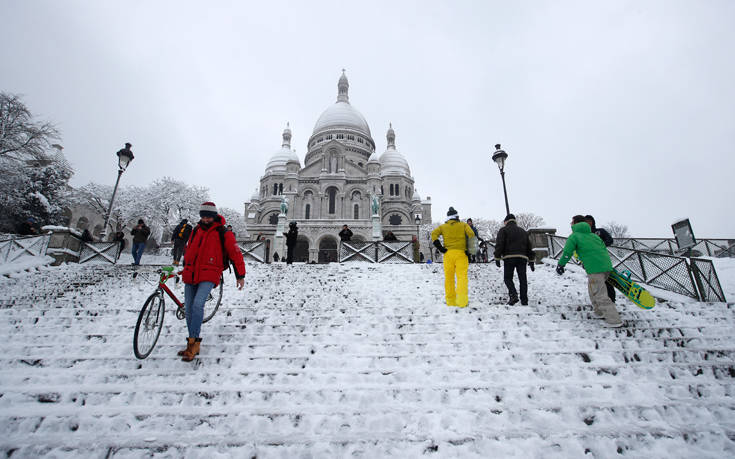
150,319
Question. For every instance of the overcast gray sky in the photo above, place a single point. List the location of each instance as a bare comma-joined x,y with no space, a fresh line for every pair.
625,110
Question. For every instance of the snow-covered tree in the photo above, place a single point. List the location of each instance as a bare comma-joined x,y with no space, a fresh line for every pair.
617,230
21,137
486,228
235,218
528,220
35,175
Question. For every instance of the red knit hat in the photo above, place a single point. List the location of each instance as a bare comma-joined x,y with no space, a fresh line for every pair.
208,209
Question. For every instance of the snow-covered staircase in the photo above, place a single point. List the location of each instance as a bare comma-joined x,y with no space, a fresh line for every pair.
361,360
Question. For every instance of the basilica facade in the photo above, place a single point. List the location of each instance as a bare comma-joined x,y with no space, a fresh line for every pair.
341,173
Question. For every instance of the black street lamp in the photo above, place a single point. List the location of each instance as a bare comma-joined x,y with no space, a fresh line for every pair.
417,220
499,157
124,157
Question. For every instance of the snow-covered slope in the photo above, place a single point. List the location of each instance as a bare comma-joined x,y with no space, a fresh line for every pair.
365,361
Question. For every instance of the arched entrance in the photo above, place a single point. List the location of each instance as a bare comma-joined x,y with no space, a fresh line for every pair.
301,251
328,250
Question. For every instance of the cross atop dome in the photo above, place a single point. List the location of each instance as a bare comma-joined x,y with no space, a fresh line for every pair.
391,137
286,136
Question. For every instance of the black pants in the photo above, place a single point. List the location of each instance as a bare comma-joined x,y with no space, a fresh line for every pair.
178,251
519,265
289,253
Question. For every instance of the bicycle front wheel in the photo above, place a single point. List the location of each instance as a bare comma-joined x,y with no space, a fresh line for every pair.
149,325
213,301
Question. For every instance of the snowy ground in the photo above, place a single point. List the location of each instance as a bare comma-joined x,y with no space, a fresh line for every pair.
362,361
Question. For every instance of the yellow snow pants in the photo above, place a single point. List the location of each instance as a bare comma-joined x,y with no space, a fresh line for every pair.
455,262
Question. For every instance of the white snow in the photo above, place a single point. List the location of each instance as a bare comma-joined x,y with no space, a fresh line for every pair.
361,360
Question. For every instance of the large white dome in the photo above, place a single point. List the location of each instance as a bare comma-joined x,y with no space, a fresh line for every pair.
342,114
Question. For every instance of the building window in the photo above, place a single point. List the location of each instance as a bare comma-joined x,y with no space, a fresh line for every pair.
307,212
275,189
391,189
332,193
280,188
273,219
356,212
340,136
328,137
359,140
359,164
395,219
350,137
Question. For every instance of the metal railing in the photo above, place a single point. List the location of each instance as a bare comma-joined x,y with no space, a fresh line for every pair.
99,252
376,252
720,248
694,277
14,247
253,250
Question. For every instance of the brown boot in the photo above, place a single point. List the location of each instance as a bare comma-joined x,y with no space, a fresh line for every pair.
189,343
192,350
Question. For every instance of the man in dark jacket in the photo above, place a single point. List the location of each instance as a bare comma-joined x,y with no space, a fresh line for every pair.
203,265
513,246
140,235
28,227
180,237
291,236
120,239
608,240
345,234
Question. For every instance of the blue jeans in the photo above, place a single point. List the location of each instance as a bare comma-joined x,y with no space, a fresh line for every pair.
138,248
194,297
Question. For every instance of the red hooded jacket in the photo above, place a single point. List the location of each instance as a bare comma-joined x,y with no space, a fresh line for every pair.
203,258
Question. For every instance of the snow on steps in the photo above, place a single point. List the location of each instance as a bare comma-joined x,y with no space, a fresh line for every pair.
364,361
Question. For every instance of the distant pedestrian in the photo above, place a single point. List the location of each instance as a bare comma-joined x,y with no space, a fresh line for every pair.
120,239
390,237
513,247
291,236
140,235
415,246
473,258
180,237
593,254
206,257
87,236
455,234
346,234
28,227
608,240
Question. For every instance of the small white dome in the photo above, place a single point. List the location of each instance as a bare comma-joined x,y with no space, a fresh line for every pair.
255,196
416,196
374,158
392,162
277,163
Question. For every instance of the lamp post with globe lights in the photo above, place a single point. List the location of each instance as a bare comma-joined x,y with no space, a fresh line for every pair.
499,157
124,157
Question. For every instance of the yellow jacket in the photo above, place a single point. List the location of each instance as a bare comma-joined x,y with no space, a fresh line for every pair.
454,232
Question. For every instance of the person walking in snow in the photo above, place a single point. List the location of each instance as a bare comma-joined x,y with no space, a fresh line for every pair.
608,240
346,234
593,254
140,235
210,246
291,236
180,237
473,258
513,247
455,234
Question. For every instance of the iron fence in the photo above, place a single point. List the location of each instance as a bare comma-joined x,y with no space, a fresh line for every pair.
696,278
708,247
253,250
99,252
376,252
14,247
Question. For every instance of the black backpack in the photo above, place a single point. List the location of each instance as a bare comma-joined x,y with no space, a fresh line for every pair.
225,257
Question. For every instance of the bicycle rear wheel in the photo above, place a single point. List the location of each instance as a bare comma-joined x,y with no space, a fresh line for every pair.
149,325
213,301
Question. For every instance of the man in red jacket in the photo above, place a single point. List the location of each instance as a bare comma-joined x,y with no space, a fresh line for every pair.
203,266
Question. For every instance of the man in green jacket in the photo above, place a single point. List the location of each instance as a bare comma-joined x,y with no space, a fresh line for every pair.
593,254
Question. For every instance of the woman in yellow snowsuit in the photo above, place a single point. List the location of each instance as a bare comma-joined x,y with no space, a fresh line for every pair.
455,234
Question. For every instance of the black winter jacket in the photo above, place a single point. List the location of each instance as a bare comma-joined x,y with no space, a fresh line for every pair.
513,242
184,236
604,235
291,236
345,234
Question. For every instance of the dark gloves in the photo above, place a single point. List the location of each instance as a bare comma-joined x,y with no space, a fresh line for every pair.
497,263
559,269
439,246
530,265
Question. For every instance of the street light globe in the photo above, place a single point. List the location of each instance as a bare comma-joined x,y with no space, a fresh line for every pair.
417,219
499,157
125,156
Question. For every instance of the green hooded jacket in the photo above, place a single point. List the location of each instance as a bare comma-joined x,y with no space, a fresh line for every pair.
589,247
